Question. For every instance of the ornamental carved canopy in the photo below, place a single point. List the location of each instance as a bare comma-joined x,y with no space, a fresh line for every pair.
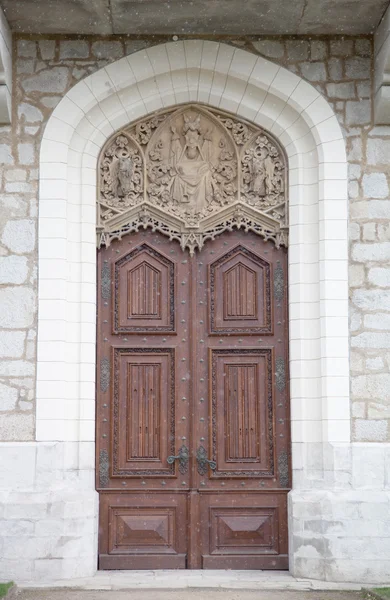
191,173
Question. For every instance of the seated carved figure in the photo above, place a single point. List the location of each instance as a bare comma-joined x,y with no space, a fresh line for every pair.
192,182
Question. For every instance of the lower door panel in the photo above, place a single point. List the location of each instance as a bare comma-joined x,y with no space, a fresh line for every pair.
247,530
142,531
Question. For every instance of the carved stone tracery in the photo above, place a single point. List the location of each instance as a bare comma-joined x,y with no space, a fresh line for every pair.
192,173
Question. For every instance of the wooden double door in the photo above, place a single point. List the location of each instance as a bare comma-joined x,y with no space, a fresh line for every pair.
192,404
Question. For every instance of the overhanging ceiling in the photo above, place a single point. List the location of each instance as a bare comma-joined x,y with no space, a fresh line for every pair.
235,17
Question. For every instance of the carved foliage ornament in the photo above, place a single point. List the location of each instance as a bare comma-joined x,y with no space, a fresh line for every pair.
192,173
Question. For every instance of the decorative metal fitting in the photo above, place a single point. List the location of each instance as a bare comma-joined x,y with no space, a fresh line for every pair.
183,458
203,461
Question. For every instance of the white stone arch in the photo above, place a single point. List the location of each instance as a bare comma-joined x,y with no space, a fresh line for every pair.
254,88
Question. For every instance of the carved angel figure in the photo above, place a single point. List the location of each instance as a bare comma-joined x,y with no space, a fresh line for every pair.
263,173
269,165
176,149
121,172
258,174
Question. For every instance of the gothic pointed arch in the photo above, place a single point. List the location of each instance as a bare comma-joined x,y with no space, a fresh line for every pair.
225,78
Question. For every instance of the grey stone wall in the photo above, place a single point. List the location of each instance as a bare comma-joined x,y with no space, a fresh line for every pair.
341,69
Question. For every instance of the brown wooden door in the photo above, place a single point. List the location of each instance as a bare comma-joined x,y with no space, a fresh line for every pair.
192,363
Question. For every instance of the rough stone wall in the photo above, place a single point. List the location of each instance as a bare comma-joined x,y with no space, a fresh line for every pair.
341,69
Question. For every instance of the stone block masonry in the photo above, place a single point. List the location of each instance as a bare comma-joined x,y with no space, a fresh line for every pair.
347,85
48,511
347,493
341,69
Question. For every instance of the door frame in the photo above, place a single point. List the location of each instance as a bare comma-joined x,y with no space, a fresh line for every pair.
307,128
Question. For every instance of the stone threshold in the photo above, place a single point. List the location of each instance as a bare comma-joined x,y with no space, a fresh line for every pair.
177,579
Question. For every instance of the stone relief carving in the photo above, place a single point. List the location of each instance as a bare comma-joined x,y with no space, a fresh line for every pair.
192,173
121,185
263,173
240,131
192,168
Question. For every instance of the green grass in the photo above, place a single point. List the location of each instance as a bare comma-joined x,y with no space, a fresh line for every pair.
384,591
4,587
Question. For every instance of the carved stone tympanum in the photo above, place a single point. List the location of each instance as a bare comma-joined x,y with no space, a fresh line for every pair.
192,173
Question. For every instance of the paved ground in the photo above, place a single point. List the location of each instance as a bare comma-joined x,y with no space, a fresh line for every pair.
215,581
186,594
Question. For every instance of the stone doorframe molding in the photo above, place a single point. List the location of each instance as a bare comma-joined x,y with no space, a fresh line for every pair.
225,77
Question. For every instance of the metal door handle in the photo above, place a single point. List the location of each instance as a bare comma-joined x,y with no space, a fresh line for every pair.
182,457
203,461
